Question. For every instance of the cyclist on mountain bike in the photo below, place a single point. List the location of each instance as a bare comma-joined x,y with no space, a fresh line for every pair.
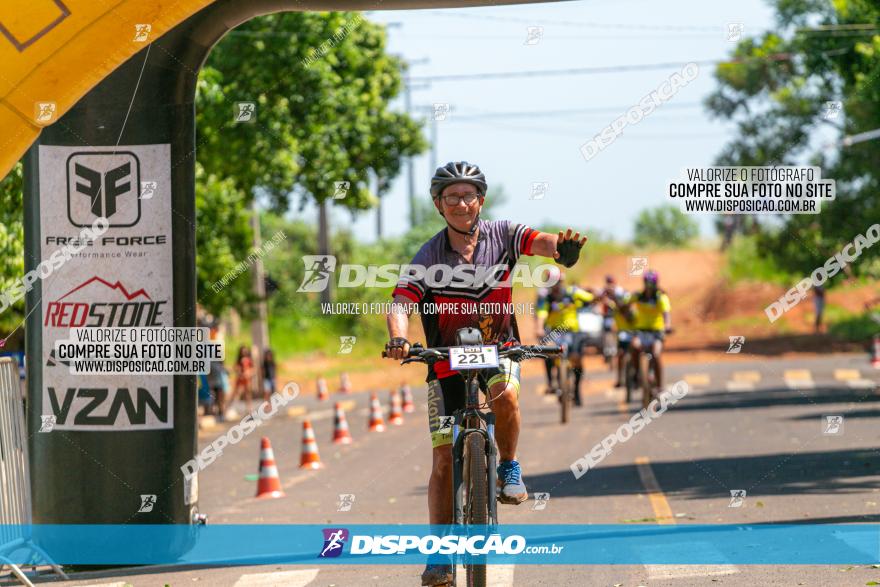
559,313
552,275
652,323
471,246
620,302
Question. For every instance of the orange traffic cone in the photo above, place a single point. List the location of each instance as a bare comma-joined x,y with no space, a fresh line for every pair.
344,383
408,405
269,485
323,392
395,416
341,434
376,422
875,356
309,458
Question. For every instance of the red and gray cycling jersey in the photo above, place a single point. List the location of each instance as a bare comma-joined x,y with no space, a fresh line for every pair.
453,293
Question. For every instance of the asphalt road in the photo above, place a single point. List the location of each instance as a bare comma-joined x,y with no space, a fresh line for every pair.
756,426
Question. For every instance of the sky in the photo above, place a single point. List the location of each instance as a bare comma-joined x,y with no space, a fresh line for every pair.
513,128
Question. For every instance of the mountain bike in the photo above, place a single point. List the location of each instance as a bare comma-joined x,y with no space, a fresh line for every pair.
609,342
562,381
641,374
474,454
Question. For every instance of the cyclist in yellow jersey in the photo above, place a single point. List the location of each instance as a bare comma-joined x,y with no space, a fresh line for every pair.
621,303
557,312
652,322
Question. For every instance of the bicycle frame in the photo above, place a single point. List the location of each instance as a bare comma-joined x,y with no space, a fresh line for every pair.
469,421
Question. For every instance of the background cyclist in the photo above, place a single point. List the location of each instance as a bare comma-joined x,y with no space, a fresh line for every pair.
552,275
621,303
559,313
458,190
652,322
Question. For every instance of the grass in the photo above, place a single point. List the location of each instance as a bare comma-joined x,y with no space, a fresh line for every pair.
851,326
744,262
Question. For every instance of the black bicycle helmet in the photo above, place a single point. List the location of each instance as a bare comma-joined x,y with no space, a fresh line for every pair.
457,172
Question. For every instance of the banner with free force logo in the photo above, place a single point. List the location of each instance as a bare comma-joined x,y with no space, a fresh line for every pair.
121,278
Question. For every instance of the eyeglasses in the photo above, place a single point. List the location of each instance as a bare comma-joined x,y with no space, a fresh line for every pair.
453,200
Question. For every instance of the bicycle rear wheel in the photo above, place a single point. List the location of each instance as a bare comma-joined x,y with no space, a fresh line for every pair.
630,377
645,379
565,389
476,501
609,348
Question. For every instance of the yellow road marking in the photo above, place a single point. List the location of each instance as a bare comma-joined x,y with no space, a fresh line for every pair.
662,511
846,374
798,375
697,379
740,386
296,411
746,376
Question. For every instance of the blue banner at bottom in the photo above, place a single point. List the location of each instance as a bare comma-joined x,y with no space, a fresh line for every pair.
612,544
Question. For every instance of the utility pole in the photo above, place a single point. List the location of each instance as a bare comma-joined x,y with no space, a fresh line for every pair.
260,326
379,195
324,243
433,142
410,172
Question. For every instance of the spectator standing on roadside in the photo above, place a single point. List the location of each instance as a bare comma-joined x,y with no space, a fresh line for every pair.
244,376
819,306
268,374
218,389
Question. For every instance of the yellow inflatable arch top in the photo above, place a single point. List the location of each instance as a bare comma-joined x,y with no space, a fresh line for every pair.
54,51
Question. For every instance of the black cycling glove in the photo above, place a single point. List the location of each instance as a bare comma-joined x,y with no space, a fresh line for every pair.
398,342
569,251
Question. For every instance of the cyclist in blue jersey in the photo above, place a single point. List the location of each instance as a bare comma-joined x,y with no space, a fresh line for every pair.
473,248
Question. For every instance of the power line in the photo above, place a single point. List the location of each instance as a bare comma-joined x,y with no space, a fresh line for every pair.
563,112
610,68
571,23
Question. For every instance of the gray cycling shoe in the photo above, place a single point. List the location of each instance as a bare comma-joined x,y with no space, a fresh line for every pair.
437,575
513,490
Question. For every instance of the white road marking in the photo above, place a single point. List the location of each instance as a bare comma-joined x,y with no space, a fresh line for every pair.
800,383
656,571
861,384
697,379
298,578
496,575
688,571
799,379
740,386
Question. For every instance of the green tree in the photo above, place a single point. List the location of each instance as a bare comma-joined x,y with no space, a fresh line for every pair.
664,226
223,240
322,83
782,89
11,245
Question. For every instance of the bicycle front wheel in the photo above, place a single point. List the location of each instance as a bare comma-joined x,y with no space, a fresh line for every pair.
477,501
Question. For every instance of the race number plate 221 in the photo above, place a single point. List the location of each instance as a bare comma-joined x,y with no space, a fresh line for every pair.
473,357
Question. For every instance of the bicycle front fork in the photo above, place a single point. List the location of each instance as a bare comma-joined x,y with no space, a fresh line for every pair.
458,464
